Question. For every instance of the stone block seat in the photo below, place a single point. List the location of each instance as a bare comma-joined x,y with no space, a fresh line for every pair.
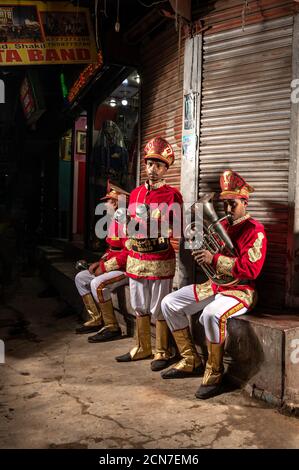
262,354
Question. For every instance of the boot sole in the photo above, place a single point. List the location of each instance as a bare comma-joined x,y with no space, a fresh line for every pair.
88,331
104,340
212,394
134,360
183,375
158,368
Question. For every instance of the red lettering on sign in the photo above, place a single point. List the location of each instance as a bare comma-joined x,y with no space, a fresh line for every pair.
67,54
13,56
52,54
35,56
83,54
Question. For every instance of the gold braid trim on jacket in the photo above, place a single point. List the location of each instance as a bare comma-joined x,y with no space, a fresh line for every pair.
225,265
111,265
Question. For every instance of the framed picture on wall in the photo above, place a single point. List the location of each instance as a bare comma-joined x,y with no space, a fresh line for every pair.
66,146
81,142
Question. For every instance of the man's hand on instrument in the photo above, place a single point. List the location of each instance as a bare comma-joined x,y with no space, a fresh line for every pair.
93,267
202,256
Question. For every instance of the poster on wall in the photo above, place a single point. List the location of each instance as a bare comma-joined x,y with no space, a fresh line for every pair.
35,33
31,97
189,147
66,146
189,111
81,142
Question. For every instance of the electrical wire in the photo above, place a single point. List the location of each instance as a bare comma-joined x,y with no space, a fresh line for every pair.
117,23
244,11
96,23
105,8
152,4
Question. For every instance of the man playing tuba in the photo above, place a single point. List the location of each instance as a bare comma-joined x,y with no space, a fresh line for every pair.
218,302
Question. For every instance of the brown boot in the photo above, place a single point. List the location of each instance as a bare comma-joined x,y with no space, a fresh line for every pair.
211,382
111,329
143,349
190,364
163,353
94,313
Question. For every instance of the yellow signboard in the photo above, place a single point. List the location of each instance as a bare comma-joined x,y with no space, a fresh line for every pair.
38,33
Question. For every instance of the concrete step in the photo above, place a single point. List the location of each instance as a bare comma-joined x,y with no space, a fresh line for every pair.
75,250
266,352
262,354
49,252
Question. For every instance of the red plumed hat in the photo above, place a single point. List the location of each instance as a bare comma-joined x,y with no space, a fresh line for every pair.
233,186
159,149
114,192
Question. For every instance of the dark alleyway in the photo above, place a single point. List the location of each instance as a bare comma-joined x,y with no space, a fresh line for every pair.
59,391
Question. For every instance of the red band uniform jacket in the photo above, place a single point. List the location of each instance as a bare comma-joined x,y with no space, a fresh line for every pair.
250,242
115,257
153,258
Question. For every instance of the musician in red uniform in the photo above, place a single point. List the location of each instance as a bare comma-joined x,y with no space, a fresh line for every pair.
151,259
218,303
96,284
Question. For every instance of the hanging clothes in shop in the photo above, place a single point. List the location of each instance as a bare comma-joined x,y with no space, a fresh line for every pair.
110,155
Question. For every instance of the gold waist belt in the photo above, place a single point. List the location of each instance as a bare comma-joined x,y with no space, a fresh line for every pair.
150,245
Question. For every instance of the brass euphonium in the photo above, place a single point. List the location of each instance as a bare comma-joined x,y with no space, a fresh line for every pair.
209,234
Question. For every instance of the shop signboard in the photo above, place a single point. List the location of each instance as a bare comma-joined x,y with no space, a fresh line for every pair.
31,97
39,33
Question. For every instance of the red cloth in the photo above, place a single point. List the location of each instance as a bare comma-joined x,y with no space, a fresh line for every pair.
250,242
157,265
116,250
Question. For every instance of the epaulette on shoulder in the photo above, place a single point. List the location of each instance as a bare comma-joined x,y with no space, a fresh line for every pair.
255,223
172,188
136,189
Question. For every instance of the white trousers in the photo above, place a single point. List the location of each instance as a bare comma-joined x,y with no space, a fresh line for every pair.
100,286
146,296
216,310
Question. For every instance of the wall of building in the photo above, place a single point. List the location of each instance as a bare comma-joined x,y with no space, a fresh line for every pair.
162,94
245,119
79,182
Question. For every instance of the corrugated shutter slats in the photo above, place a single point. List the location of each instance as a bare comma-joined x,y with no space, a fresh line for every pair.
162,96
245,125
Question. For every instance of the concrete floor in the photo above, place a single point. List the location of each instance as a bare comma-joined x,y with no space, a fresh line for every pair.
59,391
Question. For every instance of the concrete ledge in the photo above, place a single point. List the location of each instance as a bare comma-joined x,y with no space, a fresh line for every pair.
267,351
60,273
262,354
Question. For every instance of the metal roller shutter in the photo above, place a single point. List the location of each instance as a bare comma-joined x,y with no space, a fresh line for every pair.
162,95
245,125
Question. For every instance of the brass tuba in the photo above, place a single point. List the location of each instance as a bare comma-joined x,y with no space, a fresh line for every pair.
210,235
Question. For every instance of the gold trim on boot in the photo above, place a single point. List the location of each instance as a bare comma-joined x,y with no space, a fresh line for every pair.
108,315
92,310
214,366
92,323
143,349
163,352
162,341
190,364
190,359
